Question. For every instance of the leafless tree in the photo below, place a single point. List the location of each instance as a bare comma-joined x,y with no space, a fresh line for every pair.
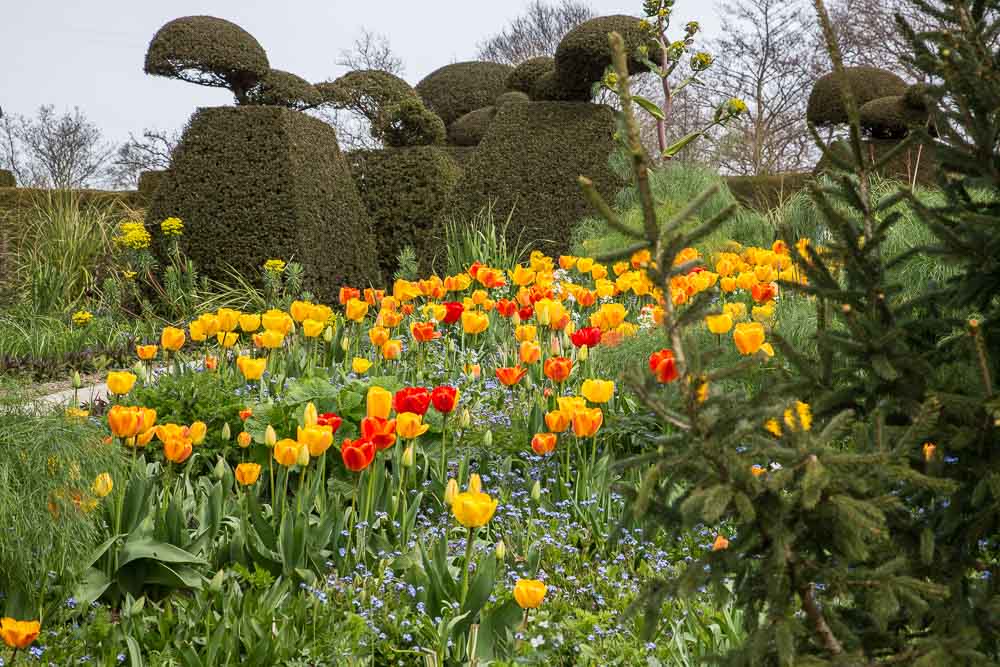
150,152
767,56
535,33
54,150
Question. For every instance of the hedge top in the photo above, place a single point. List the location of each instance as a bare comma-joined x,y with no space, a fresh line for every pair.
454,90
284,89
826,105
208,51
524,76
584,54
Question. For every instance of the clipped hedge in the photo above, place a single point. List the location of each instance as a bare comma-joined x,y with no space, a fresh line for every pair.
209,51
470,129
149,181
583,54
7,179
530,160
410,123
254,183
404,190
511,97
454,90
918,160
369,92
460,155
524,76
284,89
826,103
764,193
891,117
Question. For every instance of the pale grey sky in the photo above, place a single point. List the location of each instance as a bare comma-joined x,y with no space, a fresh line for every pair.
89,53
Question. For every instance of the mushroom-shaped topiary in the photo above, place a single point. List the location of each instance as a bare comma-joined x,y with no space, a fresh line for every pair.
284,89
525,75
470,129
208,51
410,123
826,105
890,117
454,90
368,92
583,54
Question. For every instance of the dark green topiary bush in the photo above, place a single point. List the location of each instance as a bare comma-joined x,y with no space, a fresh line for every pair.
524,76
890,118
826,107
583,54
547,88
7,179
149,181
208,51
511,97
470,129
404,190
410,123
454,90
254,183
460,155
530,161
764,193
284,89
368,92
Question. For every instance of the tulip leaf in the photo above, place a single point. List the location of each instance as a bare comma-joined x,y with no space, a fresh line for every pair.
151,549
91,587
134,652
96,554
495,627
482,586
136,503
173,577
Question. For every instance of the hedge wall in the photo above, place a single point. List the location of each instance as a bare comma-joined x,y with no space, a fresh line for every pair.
149,181
7,179
454,90
405,190
916,159
253,183
529,161
766,192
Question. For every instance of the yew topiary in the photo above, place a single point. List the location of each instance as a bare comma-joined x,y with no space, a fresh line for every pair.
284,89
454,90
826,104
7,179
410,123
208,51
525,75
470,129
890,117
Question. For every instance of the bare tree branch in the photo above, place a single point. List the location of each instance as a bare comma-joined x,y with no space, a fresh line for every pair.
535,33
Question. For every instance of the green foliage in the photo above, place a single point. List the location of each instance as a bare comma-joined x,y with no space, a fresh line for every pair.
410,123
523,77
454,90
48,514
208,51
284,89
528,164
826,105
148,182
405,190
482,239
914,162
582,56
891,117
470,129
7,179
367,92
284,191
511,97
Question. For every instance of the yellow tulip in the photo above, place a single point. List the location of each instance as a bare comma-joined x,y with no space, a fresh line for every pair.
19,634
450,491
378,336
228,318
249,322
584,264
522,276
197,332
475,483
597,391
474,322
569,405
748,337
197,432
252,369
360,365
529,593
120,382
300,310
737,311
146,352
719,324
317,438
103,485
557,421
409,425
244,439
312,328
525,332
247,473
227,339
379,402
272,339
473,510
286,451
172,339
356,310
277,320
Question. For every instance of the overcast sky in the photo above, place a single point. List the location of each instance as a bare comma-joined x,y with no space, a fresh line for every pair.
90,53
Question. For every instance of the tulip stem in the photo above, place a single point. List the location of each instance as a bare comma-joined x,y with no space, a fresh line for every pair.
369,510
444,451
466,564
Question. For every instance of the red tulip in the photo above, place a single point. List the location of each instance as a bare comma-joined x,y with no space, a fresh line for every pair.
589,336
329,419
763,292
412,399
381,432
474,269
506,307
357,454
453,312
526,313
663,365
444,398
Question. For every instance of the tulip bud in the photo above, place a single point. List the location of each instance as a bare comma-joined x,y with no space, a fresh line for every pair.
220,469
475,483
408,457
303,459
77,380
310,415
488,439
328,334
270,437
501,550
516,319
536,491
345,343
543,316
584,353
465,419
450,491
215,584
226,432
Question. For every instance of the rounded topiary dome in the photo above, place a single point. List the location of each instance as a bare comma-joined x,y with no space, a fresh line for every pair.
890,117
470,129
208,51
584,53
826,106
367,91
284,89
454,90
410,123
527,73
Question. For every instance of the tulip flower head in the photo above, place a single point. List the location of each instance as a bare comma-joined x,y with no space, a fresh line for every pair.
380,432
412,399
120,382
247,473
587,422
146,352
444,399
472,509
544,443
597,391
18,635
103,485
357,454
510,376
410,426
529,593
558,369
664,366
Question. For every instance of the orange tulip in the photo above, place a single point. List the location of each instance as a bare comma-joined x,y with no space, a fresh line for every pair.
531,352
544,443
511,375
146,352
558,369
557,421
125,422
287,451
300,310
587,422
19,635
392,349
424,331
177,450
172,339
247,473
748,337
